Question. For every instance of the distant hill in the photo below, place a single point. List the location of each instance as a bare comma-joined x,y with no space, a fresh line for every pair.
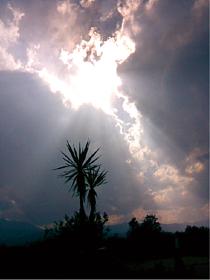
122,229
18,233
118,229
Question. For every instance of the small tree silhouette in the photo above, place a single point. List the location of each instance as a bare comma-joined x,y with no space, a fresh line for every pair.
150,224
94,178
76,165
145,236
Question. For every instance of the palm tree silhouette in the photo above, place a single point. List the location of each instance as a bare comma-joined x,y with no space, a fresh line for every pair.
76,166
94,178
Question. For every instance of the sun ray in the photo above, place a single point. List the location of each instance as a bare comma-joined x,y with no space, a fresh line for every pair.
90,76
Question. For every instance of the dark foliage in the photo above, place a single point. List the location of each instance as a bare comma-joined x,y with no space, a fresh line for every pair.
145,237
194,241
80,235
83,250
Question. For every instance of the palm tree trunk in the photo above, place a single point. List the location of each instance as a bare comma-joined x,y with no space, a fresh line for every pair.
92,212
81,191
82,210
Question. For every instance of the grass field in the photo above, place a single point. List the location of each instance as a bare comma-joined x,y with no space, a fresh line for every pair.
191,267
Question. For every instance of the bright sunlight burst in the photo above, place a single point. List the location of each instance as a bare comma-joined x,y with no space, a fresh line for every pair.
92,68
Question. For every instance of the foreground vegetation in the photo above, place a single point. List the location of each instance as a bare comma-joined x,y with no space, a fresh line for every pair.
73,250
79,246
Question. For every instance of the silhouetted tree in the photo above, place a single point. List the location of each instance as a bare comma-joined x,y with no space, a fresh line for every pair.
94,178
133,224
134,228
144,237
150,224
76,166
194,240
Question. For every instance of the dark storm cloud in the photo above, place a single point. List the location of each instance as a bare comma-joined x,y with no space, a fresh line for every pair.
168,75
28,137
4,205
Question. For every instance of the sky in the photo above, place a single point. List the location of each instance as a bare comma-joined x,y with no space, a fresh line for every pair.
129,75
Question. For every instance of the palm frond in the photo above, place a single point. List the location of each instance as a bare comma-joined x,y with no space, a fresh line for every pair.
91,159
68,160
73,155
60,167
84,152
76,155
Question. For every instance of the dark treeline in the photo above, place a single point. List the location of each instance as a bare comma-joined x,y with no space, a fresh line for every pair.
74,250
79,246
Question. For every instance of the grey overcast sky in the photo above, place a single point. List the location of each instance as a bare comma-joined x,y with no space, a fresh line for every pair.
131,76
